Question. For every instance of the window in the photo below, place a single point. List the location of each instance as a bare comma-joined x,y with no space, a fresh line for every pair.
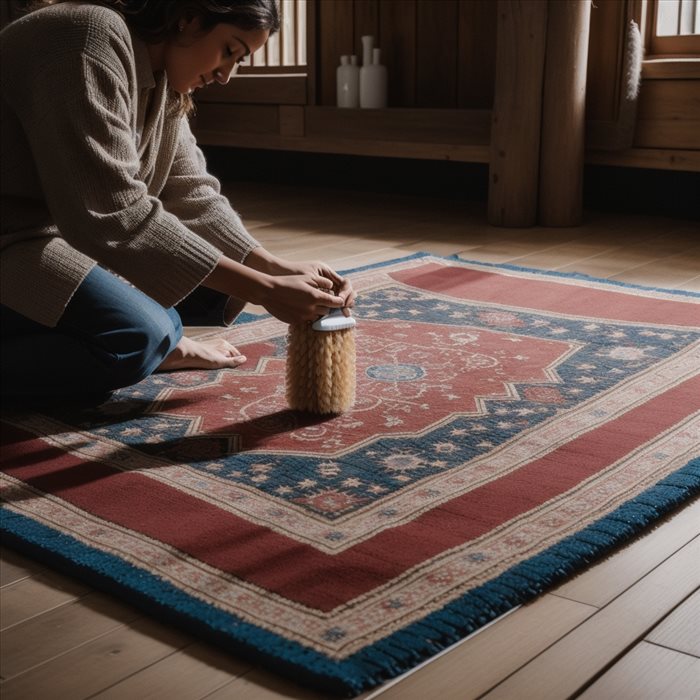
674,28
285,51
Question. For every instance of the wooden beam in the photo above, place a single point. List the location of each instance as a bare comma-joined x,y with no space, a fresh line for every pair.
655,158
515,126
564,113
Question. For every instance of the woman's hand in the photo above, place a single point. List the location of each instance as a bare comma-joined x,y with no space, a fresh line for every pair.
262,260
300,297
292,292
342,286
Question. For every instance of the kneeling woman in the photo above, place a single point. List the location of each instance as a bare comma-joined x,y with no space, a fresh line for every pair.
112,230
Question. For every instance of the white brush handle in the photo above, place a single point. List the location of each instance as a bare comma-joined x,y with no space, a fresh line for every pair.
334,320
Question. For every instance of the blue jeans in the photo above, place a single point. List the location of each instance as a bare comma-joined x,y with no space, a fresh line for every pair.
110,335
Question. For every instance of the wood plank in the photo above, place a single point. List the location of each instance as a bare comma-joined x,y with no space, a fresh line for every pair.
94,666
619,571
481,661
649,672
563,115
291,120
691,285
476,62
668,272
624,259
260,685
566,254
46,636
11,10
669,115
414,125
681,629
366,22
257,89
516,118
605,60
193,672
505,252
312,72
334,38
350,262
565,668
16,567
27,598
436,53
397,29
238,119
394,149
664,68
659,158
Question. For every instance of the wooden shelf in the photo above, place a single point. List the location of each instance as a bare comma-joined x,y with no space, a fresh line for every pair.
436,134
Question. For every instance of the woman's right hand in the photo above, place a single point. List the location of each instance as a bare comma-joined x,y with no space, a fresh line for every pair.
297,298
290,298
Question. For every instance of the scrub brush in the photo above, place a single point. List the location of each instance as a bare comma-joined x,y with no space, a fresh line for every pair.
321,364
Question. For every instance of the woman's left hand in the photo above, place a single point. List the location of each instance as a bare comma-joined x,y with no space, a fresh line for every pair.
263,260
341,285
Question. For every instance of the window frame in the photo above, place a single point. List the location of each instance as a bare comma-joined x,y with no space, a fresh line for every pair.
249,67
674,46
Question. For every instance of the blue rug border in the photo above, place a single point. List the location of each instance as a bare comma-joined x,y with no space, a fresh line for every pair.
394,654
405,648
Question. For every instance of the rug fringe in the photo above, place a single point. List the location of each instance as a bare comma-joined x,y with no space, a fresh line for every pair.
533,577
396,653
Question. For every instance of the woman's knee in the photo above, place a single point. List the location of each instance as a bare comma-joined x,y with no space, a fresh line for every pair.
129,333
144,346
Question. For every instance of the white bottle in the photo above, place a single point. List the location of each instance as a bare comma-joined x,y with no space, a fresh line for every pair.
348,82
373,78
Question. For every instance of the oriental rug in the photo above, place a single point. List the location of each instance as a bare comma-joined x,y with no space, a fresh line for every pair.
511,426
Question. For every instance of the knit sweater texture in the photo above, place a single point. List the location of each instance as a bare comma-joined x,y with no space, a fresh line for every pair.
98,166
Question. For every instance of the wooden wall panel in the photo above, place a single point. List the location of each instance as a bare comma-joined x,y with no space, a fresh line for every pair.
238,119
258,89
465,127
334,38
11,10
366,22
440,55
436,53
668,114
605,55
397,31
476,53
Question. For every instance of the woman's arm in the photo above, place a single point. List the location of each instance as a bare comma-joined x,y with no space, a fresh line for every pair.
74,101
194,196
264,261
291,298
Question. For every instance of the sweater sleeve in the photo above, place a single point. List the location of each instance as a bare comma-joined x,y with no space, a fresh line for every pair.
75,106
194,196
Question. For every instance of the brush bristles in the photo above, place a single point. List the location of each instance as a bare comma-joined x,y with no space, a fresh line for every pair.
320,369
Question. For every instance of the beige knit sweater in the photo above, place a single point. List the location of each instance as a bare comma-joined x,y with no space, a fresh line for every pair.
97,166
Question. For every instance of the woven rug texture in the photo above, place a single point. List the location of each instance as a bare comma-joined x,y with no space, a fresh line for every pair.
511,426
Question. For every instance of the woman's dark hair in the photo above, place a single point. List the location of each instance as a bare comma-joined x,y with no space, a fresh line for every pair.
158,20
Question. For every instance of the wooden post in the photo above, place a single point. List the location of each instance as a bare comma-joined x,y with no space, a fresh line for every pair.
563,113
515,124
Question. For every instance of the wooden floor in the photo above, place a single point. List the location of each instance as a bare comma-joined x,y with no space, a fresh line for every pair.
627,628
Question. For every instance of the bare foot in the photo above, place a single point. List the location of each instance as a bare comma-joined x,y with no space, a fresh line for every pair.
202,354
